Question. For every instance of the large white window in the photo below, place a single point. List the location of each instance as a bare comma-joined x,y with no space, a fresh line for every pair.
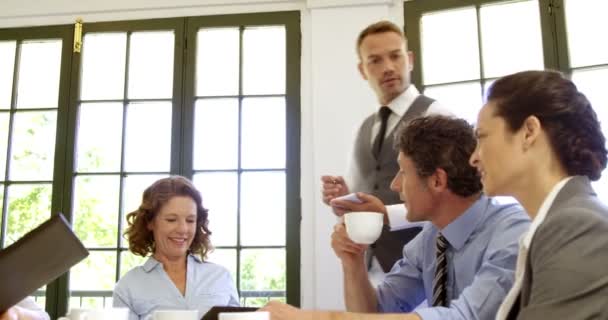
462,46
215,99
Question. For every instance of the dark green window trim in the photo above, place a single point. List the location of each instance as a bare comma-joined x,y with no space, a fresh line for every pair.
57,294
291,21
553,30
66,35
559,20
413,11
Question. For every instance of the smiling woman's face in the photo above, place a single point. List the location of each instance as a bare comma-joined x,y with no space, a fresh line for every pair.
498,154
174,227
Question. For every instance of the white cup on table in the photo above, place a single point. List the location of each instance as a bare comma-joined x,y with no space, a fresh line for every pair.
75,314
175,315
97,314
257,315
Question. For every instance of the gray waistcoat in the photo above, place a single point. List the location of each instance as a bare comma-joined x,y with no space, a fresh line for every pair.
374,176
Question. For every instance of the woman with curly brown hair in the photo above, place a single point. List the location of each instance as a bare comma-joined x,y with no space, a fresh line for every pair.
170,226
540,141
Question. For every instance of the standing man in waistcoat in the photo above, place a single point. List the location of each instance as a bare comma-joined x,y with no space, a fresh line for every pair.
386,64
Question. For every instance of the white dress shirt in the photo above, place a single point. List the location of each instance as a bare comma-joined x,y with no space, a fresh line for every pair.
398,106
524,245
396,212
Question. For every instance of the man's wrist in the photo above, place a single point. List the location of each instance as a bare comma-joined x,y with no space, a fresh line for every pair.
356,268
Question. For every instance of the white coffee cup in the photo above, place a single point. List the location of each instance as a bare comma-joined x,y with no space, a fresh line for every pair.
261,315
75,314
364,227
107,314
97,314
175,315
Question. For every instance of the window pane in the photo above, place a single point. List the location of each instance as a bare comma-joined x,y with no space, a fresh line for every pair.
33,146
262,269
251,301
219,192
586,24
262,221
216,129
96,210
225,258
458,41
103,66
217,62
86,302
486,85
511,47
96,272
263,133
39,66
134,186
148,137
129,261
151,65
592,83
4,121
40,300
464,99
28,207
99,137
7,65
264,60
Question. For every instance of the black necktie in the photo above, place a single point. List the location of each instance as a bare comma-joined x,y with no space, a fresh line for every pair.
441,274
384,113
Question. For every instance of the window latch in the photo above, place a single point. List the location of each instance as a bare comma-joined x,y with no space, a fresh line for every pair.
78,35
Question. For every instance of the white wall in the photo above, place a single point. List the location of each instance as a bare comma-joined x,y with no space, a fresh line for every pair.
334,97
340,100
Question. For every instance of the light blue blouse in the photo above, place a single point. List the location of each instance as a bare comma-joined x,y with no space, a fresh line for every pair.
147,288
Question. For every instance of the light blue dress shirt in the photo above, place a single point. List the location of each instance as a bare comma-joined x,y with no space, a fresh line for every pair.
481,264
147,288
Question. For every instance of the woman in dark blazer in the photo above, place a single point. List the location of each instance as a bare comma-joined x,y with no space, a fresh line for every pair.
540,141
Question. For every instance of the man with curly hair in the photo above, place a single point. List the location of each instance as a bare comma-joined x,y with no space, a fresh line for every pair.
462,262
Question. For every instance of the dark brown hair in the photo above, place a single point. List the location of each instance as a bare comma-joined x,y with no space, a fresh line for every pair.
376,28
141,239
564,113
436,141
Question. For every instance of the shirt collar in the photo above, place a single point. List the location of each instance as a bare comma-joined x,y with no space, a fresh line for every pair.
152,263
402,102
459,230
542,212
